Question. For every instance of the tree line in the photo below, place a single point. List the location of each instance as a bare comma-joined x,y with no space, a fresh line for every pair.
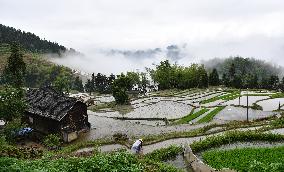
28,40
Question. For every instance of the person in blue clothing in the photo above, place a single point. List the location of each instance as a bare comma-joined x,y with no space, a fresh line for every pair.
137,146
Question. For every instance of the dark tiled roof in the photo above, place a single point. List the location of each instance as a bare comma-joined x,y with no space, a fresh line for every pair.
48,103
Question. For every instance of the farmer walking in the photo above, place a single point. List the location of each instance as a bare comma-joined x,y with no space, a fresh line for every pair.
137,146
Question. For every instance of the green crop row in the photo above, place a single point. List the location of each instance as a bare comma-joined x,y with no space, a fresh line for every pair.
247,159
230,96
191,116
209,117
234,136
277,95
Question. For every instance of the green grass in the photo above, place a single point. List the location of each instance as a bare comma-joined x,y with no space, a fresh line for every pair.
247,159
232,95
277,95
232,137
191,116
209,117
117,161
264,94
164,154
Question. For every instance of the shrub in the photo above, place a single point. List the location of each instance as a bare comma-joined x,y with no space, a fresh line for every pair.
11,128
22,153
52,140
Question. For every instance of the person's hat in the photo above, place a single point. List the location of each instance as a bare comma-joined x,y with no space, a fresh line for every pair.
141,140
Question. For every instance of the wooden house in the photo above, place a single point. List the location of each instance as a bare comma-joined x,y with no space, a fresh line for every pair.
51,112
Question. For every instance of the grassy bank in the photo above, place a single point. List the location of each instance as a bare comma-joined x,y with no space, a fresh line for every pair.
209,117
247,159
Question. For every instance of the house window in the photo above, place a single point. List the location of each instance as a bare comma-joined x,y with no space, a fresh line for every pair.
31,120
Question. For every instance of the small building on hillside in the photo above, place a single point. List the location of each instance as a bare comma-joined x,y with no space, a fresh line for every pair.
51,112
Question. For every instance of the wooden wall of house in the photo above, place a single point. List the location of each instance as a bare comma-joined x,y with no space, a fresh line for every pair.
77,117
42,124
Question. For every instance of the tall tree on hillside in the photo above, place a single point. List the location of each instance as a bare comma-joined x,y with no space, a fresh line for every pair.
78,85
88,86
232,75
273,82
250,81
225,80
15,70
214,78
203,77
281,86
110,80
237,82
92,83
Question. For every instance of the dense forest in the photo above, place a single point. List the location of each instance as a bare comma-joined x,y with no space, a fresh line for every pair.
28,40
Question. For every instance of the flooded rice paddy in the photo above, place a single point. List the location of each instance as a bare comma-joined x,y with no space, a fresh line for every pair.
231,113
150,115
271,104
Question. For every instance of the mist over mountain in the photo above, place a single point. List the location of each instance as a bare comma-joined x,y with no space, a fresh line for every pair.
244,66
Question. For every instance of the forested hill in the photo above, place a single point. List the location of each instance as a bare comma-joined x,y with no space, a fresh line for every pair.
29,41
244,66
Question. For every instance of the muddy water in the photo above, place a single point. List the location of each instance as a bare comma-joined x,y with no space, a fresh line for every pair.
148,122
102,127
271,104
231,113
277,131
161,109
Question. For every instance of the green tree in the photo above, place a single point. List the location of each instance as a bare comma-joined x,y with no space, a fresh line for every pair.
144,82
225,80
12,104
88,86
15,70
232,75
119,88
101,83
273,82
78,85
203,77
214,78
92,84
162,75
62,83
134,79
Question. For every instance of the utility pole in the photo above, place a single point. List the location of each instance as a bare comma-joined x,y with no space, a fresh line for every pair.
247,106
240,97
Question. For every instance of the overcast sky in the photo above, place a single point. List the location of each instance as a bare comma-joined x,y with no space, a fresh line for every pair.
201,29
